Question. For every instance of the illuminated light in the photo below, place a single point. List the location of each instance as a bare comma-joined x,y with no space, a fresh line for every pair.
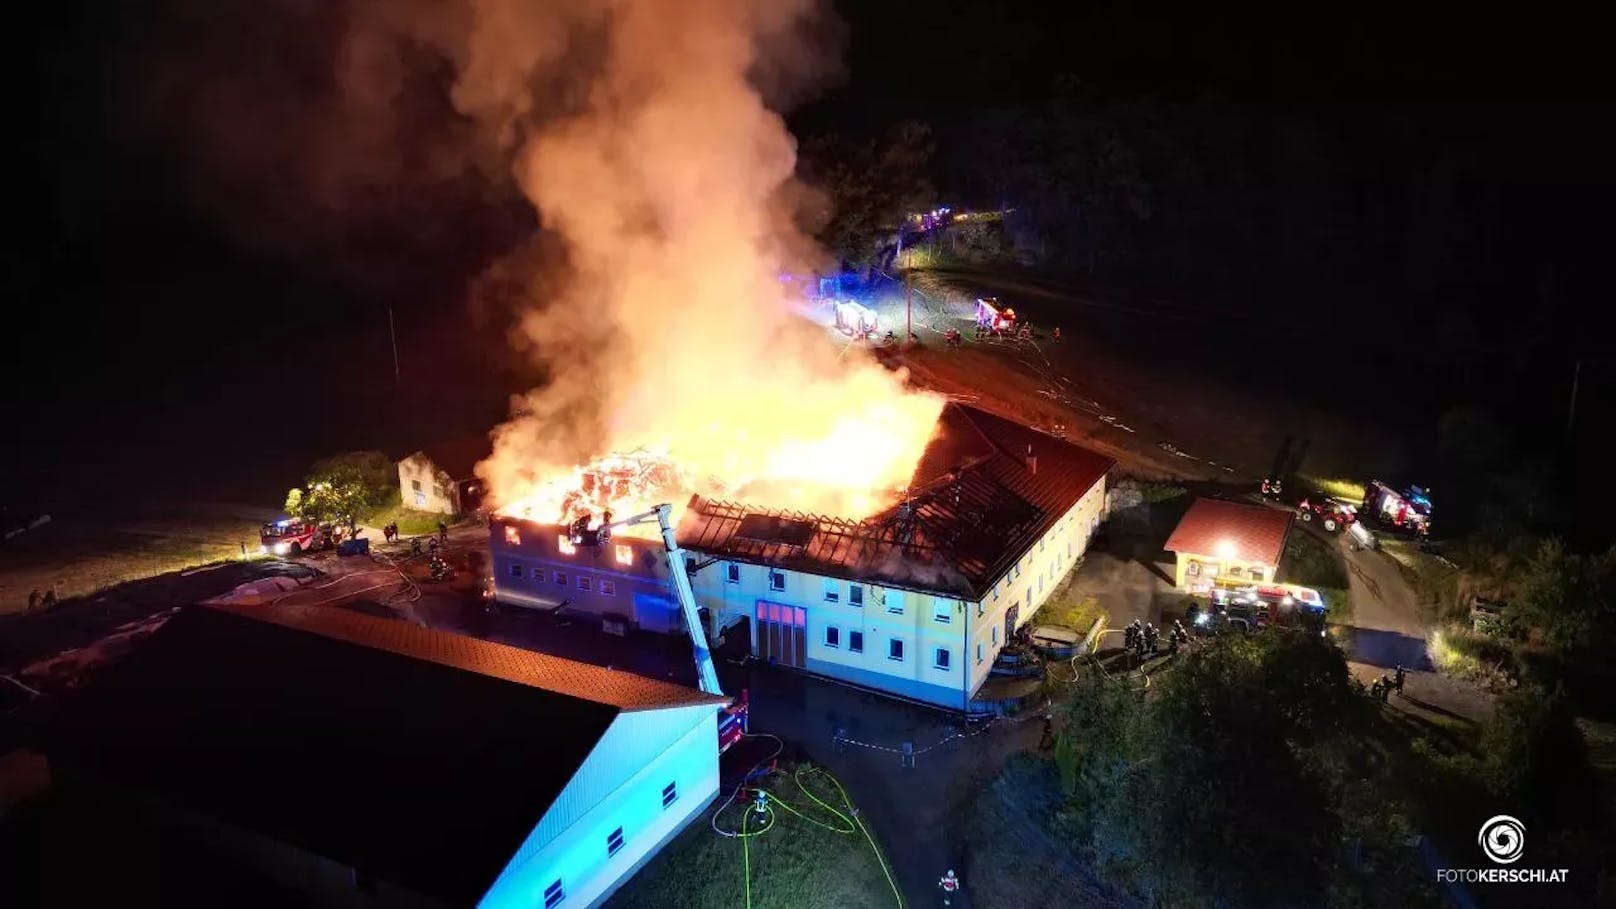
1226,549
565,545
282,548
513,536
625,555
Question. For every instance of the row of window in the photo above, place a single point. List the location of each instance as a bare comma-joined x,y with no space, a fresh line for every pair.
941,658
606,586
556,892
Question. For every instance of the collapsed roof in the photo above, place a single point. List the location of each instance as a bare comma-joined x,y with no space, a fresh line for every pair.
985,491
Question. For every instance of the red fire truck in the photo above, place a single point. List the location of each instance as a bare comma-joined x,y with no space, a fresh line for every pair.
290,537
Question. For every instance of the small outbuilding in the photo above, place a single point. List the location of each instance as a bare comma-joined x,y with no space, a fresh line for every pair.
1218,540
443,478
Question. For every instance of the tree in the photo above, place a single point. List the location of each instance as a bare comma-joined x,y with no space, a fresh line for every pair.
1235,780
346,488
870,187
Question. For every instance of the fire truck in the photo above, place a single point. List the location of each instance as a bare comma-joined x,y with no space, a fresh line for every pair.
290,537
855,319
1408,509
1250,607
992,319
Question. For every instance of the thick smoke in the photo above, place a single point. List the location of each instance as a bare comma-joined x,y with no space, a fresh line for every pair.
641,134
671,186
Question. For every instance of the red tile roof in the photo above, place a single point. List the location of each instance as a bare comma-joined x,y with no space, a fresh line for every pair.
976,506
1256,532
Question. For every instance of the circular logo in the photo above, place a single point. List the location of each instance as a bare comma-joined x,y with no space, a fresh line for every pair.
1503,839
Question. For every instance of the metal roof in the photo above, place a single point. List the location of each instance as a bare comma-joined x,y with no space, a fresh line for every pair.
611,687
1232,530
421,757
985,490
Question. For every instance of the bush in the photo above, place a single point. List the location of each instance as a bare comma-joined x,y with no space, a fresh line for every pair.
1459,652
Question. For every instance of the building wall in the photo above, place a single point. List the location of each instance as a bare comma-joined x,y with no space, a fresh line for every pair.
534,567
1028,583
1209,568
577,855
424,487
734,589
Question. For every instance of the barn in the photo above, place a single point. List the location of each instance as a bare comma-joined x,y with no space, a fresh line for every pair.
353,758
916,601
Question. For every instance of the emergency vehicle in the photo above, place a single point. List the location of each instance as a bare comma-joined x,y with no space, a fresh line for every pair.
1253,606
290,537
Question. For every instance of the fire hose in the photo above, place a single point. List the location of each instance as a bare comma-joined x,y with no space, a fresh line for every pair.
841,823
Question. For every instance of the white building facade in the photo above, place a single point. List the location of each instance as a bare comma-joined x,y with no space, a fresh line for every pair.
907,641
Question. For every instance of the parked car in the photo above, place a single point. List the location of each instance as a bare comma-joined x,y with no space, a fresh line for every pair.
1333,514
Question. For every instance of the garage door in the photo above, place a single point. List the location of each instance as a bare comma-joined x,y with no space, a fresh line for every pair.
782,634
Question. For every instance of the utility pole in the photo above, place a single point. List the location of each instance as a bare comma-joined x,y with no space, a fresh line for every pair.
909,307
393,336
1571,414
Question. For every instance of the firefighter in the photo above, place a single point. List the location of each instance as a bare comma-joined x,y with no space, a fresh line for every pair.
1047,740
33,599
1128,634
1172,643
1374,688
950,885
1150,637
443,533
1401,675
415,546
1056,333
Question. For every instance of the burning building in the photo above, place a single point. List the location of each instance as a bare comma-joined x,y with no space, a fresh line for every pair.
916,599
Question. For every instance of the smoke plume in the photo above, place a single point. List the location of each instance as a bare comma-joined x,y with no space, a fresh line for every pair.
641,133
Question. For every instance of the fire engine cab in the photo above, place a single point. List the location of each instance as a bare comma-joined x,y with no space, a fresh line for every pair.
293,537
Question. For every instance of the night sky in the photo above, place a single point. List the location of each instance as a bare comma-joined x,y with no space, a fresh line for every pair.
153,344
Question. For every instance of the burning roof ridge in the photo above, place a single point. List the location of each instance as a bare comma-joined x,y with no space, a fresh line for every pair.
969,413
707,505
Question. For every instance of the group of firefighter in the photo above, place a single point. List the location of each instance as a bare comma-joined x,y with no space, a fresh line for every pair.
1381,689
1143,639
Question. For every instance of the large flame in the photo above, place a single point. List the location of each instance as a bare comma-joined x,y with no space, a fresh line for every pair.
676,362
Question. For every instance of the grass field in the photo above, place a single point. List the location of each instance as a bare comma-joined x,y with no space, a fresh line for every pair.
812,857
410,522
77,557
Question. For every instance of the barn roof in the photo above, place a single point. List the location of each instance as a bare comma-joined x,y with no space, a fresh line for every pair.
1237,530
422,757
985,490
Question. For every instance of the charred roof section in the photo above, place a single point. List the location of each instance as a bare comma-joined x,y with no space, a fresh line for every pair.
985,491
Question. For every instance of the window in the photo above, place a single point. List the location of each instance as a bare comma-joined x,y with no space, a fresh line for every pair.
561,578
940,658
1043,544
415,486
625,555
980,609
690,565
583,582
995,635
516,569
996,591
564,543
895,649
855,595
833,591
512,535
553,895
670,794
855,642
942,610
894,601
833,636
614,841
978,653
537,574
420,499
732,573
777,580
609,588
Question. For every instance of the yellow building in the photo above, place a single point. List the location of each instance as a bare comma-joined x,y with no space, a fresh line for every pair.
1217,540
